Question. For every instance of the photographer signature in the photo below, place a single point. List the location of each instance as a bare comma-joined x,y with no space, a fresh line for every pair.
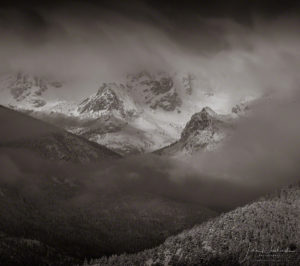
264,252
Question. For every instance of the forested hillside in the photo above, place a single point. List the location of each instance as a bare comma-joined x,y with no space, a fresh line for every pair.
270,224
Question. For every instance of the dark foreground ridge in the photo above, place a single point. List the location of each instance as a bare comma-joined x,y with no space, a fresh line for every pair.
24,132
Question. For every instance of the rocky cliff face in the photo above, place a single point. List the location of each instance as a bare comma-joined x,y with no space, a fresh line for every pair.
240,109
27,90
104,100
155,90
204,131
110,98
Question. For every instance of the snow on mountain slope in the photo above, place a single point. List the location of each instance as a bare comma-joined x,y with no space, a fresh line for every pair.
120,123
204,131
26,90
109,97
138,135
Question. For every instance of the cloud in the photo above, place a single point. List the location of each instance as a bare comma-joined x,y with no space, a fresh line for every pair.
262,153
88,42
238,60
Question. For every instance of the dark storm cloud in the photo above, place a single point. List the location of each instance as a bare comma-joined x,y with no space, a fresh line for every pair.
106,38
100,41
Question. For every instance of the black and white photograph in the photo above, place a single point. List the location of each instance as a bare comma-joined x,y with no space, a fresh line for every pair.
150,133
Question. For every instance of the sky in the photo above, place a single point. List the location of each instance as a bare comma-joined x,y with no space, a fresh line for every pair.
104,39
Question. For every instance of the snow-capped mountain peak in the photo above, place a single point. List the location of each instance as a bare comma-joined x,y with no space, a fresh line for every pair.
109,97
199,122
104,99
203,131
24,90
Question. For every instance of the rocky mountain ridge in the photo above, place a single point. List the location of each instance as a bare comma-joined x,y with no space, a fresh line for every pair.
145,113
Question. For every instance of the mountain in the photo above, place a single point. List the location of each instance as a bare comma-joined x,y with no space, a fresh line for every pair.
267,229
114,119
26,90
109,98
145,112
23,132
135,111
204,131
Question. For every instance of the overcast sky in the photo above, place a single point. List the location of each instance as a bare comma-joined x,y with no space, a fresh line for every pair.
240,47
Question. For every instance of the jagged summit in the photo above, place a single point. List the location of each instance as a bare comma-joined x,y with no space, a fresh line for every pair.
109,97
208,111
104,99
204,131
199,122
